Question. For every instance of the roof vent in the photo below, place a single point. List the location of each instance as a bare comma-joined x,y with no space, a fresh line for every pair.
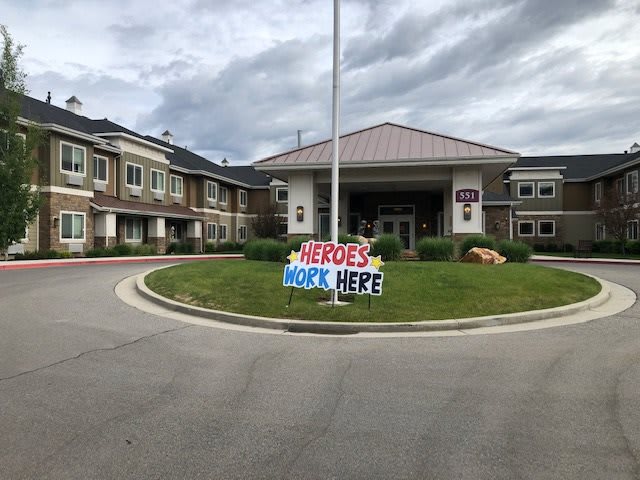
167,136
635,148
74,105
224,162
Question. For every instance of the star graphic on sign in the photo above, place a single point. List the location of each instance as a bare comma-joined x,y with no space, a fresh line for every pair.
376,262
293,256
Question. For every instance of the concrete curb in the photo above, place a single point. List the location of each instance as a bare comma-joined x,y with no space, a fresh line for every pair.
308,326
70,262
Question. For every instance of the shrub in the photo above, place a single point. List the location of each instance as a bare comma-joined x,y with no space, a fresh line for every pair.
229,246
552,247
481,241
436,249
514,251
265,250
389,246
295,243
209,247
122,250
568,247
144,249
633,247
345,238
539,247
96,252
66,254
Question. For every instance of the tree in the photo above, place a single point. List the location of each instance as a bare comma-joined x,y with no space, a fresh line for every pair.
266,224
19,204
616,210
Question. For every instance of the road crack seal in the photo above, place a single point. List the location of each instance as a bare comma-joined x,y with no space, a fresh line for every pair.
95,350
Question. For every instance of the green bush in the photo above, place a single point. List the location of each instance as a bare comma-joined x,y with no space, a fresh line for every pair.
265,250
296,243
122,250
539,247
144,249
39,255
209,247
514,251
345,238
633,247
435,249
66,254
96,252
389,246
568,247
229,246
481,241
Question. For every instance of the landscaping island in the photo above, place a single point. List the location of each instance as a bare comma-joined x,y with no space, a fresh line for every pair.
413,291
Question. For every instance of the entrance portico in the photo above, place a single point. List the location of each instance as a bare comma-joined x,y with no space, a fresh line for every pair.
393,179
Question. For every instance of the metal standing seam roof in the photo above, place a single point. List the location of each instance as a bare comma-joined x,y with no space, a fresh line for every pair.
385,143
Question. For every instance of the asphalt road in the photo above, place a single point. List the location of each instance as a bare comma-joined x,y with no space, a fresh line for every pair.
93,388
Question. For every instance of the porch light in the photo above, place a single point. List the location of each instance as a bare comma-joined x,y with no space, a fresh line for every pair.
466,210
300,213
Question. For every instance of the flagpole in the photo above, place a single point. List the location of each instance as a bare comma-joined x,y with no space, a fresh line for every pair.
335,175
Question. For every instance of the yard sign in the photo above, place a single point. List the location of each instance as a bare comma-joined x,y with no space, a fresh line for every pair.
333,266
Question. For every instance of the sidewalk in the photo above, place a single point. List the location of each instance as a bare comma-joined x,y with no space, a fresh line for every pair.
66,262
604,261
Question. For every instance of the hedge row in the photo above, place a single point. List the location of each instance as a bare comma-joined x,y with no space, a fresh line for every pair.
443,249
122,250
42,255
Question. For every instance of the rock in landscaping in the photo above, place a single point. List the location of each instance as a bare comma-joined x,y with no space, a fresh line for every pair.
483,256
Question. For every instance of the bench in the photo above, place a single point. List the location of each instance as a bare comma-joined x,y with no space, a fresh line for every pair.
584,249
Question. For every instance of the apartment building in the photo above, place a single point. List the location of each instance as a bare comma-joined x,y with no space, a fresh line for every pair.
103,184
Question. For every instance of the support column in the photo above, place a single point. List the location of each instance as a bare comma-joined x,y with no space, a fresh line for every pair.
303,192
105,230
469,179
194,235
156,234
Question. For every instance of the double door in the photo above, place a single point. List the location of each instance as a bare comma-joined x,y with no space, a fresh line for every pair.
400,225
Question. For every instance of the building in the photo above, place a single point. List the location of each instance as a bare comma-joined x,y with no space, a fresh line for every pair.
103,184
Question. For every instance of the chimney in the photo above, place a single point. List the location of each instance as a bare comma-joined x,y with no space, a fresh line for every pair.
299,138
74,105
167,136
635,148
224,162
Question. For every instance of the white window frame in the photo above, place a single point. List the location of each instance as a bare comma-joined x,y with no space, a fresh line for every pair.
215,231
600,227
282,189
553,188
106,160
553,234
533,190
84,227
222,227
84,153
246,198
164,181
220,194
597,192
181,185
633,176
242,237
637,230
126,175
533,228
215,191
128,239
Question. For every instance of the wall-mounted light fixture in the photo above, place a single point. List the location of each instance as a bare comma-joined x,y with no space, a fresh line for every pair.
339,221
497,225
466,210
300,213
55,221
424,226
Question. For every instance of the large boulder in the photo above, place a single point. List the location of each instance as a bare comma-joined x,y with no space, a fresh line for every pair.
483,256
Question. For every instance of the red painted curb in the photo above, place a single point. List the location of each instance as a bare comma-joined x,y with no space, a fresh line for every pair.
118,260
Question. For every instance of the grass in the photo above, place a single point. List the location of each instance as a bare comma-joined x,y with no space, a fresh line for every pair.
412,291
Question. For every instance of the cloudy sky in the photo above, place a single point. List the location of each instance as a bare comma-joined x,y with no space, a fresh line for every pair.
238,78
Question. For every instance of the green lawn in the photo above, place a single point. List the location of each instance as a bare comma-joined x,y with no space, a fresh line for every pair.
412,291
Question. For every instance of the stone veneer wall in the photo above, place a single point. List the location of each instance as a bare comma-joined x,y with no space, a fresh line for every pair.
52,205
497,215
558,239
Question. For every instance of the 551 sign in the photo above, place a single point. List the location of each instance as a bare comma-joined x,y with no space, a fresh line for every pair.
467,195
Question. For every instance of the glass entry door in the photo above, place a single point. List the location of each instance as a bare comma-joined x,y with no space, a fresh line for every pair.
400,225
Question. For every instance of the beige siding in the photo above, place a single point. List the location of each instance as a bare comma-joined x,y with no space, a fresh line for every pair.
579,227
538,204
147,164
577,196
58,178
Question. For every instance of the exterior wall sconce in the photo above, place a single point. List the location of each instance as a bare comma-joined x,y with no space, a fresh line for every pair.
300,213
466,210
339,221
497,225
55,222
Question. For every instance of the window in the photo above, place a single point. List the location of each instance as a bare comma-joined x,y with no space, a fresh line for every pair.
212,190
176,185
632,230
546,189
72,158
222,232
597,192
526,228
223,195
211,231
600,231
282,195
632,182
243,198
620,186
134,175
525,190
73,224
157,181
133,230
242,233
546,228
100,171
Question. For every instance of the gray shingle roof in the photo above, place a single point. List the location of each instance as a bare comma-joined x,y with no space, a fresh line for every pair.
579,166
